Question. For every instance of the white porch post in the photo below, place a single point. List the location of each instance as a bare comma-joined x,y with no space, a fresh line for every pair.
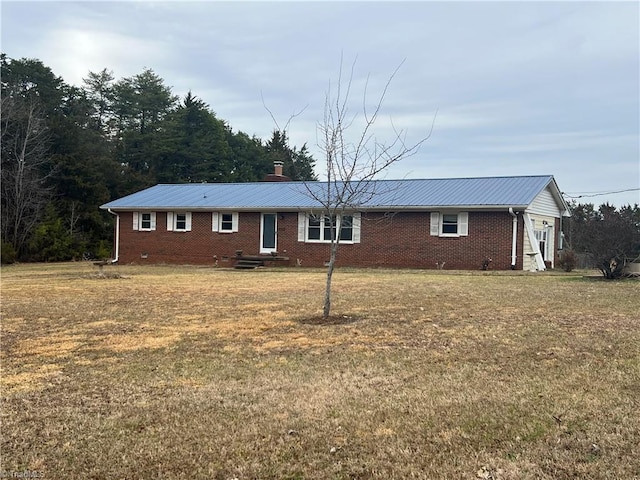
532,242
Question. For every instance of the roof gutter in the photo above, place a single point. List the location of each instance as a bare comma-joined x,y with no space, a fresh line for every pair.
298,208
117,236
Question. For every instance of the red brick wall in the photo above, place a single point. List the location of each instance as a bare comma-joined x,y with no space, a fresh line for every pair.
400,240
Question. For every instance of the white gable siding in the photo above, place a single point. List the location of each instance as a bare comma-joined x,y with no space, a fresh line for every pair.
545,204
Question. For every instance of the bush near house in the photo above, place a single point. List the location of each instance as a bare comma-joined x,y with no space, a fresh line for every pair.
568,260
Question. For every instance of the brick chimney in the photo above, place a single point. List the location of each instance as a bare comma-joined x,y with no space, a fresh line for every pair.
277,175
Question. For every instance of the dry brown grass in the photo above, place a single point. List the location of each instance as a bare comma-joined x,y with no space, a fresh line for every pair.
184,372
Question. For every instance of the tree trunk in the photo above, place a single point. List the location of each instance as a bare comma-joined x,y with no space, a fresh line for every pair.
327,292
352,166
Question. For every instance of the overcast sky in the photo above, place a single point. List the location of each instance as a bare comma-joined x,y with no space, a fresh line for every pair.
523,88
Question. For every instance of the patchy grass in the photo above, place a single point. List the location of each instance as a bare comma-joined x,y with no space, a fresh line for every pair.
185,372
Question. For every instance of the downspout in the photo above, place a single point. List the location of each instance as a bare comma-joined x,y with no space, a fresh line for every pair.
550,245
514,239
117,240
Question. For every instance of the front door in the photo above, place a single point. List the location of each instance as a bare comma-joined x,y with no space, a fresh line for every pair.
269,233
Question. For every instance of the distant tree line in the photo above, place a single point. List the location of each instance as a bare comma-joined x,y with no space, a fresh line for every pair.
606,237
67,149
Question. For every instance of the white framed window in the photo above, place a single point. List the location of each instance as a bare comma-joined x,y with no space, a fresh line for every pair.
178,221
541,237
449,224
144,221
315,228
224,222
544,237
320,228
181,221
346,228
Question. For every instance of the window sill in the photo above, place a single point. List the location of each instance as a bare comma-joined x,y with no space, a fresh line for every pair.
327,242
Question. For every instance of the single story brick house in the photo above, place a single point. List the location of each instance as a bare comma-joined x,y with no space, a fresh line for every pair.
459,223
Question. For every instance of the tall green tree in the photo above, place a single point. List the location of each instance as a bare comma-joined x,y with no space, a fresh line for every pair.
71,149
298,164
193,145
250,160
25,169
53,154
86,176
141,103
30,78
303,167
99,89
31,101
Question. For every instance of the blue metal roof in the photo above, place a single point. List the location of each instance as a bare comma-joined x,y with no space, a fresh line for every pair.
488,192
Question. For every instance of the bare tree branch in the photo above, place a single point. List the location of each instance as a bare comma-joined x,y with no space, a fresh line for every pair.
25,168
273,118
352,168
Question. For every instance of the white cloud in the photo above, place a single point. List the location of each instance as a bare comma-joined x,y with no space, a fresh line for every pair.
560,142
520,87
75,52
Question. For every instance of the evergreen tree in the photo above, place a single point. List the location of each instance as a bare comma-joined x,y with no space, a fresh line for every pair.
30,78
99,89
298,164
193,146
250,161
140,105
303,165
86,174
31,97
72,149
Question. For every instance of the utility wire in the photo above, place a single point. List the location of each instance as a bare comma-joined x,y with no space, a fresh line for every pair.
599,194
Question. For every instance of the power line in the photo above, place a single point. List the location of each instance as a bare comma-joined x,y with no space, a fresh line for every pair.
598,194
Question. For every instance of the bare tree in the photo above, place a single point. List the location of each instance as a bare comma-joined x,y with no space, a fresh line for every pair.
354,160
25,168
